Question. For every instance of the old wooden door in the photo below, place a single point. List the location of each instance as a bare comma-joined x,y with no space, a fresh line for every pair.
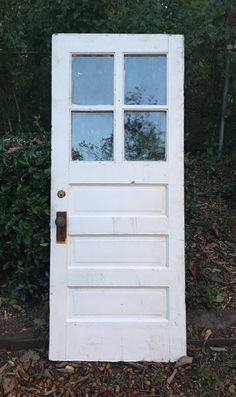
117,276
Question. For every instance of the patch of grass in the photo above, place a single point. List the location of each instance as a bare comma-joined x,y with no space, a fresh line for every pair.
158,376
201,292
226,224
232,364
208,380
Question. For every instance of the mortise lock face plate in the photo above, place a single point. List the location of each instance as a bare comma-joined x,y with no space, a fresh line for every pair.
61,224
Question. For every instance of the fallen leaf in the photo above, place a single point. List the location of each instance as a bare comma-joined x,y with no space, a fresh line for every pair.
218,349
81,380
68,369
47,393
47,374
184,360
232,389
8,385
14,149
222,262
17,307
21,372
211,246
215,229
215,269
193,269
206,333
30,355
62,364
220,297
37,141
171,377
11,363
2,369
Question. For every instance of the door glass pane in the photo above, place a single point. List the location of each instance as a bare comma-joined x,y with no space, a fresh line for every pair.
92,136
92,79
145,135
145,80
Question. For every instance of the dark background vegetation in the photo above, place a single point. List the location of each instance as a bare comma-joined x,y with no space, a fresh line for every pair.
25,55
25,80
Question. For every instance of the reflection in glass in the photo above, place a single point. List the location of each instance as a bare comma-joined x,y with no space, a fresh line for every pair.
92,79
92,136
145,135
145,80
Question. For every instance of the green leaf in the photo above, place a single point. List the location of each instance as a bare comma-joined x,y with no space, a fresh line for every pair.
218,349
220,297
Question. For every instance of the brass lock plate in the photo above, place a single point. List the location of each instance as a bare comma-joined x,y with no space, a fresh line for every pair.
61,224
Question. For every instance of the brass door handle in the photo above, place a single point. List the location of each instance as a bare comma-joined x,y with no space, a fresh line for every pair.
61,223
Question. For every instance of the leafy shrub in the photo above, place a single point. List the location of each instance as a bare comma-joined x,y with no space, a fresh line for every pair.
24,213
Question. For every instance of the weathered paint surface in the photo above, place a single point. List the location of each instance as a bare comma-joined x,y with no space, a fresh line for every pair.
117,284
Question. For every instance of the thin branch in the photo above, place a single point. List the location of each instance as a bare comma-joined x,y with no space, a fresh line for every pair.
222,123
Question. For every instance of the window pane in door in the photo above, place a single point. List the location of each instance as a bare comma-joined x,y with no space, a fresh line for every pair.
145,80
145,135
92,79
92,136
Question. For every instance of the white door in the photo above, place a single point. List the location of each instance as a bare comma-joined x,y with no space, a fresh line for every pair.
117,267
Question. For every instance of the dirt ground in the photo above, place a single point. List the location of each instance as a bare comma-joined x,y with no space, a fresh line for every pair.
29,373
208,370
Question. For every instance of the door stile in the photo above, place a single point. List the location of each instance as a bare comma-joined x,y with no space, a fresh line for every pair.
175,159
59,181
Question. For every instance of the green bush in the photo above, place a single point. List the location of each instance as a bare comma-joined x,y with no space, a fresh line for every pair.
24,214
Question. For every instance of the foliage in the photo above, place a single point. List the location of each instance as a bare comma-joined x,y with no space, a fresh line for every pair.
24,213
144,139
25,44
201,292
208,379
91,151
